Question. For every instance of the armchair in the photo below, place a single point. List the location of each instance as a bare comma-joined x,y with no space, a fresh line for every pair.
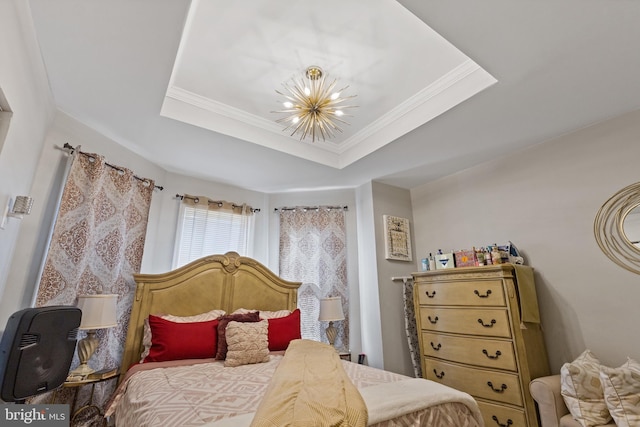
553,412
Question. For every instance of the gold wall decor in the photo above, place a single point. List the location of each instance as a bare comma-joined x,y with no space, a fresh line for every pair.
397,238
611,228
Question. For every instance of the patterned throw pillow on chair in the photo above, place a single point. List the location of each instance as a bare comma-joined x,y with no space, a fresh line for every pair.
582,391
622,392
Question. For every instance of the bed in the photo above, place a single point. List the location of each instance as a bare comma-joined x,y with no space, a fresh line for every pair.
178,385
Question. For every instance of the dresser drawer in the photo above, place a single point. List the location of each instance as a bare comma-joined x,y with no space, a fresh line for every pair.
500,416
498,386
473,351
472,321
481,292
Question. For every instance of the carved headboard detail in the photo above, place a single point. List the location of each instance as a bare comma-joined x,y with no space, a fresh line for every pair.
226,282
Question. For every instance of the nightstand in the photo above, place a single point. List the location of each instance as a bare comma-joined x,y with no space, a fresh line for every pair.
89,405
345,355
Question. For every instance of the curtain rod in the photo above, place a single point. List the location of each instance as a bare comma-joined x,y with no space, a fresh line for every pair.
72,149
311,208
404,279
219,202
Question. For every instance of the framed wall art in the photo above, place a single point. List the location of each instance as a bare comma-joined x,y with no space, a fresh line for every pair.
397,238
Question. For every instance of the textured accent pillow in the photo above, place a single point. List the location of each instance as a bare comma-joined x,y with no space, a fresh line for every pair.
582,392
622,392
202,317
221,353
282,330
243,311
247,343
264,314
274,314
176,341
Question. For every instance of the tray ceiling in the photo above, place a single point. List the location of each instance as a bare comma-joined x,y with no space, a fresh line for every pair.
231,61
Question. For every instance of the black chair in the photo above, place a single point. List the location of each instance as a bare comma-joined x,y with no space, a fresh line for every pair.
36,350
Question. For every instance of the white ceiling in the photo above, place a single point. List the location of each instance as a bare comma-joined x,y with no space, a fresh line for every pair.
198,99
402,72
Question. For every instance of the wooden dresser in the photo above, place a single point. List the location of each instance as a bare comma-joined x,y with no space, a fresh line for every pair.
479,332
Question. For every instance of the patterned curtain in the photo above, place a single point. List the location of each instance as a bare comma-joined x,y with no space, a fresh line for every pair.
96,247
313,251
410,327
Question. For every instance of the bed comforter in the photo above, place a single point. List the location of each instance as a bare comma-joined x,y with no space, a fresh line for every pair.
205,393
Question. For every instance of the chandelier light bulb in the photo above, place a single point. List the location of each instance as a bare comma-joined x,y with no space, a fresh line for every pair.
313,108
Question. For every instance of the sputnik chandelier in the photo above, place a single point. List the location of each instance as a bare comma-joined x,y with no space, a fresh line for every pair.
313,108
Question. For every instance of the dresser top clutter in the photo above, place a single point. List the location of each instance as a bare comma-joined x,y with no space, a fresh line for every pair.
479,331
475,257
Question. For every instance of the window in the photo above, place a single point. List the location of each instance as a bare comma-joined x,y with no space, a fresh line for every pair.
207,227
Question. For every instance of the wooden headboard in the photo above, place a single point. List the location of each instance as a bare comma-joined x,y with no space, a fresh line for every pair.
225,282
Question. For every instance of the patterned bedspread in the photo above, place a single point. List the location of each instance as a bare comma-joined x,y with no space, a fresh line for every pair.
162,394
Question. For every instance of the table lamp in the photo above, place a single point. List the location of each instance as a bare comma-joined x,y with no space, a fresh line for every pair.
331,311
98,312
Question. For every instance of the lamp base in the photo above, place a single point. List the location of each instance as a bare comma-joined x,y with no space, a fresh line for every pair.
332,333
86,347
81,371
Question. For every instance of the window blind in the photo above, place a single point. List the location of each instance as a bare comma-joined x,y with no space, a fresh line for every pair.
204,232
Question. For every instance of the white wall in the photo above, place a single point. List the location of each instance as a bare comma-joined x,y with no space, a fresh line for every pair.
158,253
25,86
31,246
544,200
389,200
372,344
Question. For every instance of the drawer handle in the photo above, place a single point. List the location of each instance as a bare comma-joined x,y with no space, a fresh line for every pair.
486,353
486,295
497,390
488,325
430,295
509,422
439,375
436,347
434,320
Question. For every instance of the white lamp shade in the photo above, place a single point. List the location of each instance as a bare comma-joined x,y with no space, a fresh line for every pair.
331,309
98,311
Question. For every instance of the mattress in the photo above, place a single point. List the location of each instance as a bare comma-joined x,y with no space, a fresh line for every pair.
206,393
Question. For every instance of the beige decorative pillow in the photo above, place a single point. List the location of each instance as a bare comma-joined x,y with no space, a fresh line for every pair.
247,343
202,317
243,311
264,314
274,314
582,391
622,392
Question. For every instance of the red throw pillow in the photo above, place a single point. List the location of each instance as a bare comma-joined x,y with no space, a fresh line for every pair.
175,341
284,329
223,321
